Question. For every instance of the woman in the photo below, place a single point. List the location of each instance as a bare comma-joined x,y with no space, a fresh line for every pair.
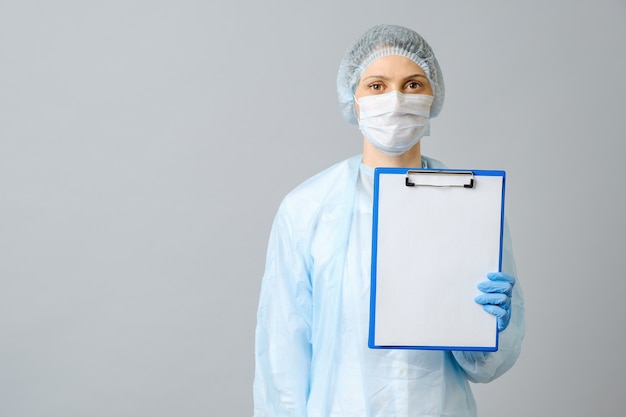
312,357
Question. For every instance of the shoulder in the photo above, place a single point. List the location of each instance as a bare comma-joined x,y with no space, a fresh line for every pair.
433,163
318,187
324,191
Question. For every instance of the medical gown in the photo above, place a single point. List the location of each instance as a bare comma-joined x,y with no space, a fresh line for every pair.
312,357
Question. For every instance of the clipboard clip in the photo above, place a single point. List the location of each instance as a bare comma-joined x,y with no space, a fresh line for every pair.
469,183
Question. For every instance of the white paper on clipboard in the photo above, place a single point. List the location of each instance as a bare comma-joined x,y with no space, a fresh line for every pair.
436,234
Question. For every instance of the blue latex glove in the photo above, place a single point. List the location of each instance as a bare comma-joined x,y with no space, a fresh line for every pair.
496,299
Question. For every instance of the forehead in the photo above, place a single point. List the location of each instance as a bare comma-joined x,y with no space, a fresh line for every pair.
393,66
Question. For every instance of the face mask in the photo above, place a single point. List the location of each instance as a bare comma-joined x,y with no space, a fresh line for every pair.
394,122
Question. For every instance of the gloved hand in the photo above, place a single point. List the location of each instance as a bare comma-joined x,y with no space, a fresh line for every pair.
496,299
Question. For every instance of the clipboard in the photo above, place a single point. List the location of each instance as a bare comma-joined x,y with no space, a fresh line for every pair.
435,235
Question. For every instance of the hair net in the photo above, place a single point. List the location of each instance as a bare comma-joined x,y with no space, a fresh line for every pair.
380,41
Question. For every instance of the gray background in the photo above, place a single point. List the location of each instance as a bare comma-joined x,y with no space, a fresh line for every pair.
145,147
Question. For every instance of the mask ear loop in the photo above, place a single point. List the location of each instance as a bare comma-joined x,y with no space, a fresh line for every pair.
357,113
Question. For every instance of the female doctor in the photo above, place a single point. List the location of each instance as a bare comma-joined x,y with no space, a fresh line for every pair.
312,357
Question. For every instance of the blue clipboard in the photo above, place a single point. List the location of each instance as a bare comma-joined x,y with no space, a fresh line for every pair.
436,233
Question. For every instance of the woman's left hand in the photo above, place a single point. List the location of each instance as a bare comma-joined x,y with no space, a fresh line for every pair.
496,299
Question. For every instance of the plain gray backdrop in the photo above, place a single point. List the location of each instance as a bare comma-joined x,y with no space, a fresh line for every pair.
145,147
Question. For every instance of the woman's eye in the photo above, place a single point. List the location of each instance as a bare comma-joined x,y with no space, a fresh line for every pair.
376,87
413,85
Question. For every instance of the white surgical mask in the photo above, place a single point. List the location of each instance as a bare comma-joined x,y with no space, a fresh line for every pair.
394,122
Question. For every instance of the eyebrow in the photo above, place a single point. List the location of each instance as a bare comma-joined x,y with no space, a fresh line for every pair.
385,78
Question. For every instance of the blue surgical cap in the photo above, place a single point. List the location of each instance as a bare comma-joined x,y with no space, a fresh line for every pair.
380,41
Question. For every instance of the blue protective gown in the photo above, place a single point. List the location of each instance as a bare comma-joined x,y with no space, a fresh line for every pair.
312,358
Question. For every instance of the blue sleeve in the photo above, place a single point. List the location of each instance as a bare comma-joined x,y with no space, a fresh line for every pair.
487,366
283,332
